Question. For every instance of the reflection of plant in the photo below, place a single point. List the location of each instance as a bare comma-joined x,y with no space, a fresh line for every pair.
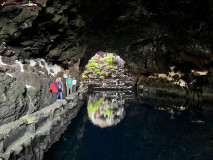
103,113
84,76
108,112
91,108
94,107
113,106
102,106
101,99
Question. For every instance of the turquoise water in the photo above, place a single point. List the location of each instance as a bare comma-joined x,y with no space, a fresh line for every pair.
139,132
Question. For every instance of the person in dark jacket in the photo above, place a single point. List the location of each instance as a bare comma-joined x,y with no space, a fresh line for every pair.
60,86
55,90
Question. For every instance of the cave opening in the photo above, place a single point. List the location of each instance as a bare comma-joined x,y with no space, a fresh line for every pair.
106,71
110,88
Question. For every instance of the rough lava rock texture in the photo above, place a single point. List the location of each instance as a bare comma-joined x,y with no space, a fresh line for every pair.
24,88
31,135
12,103
151,36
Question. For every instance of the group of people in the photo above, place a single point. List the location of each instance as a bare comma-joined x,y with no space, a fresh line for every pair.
57,87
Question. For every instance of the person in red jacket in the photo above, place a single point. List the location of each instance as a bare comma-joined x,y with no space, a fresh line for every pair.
55,90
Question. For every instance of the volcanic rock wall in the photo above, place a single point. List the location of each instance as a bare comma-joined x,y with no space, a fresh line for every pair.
31,135
151,36
24,87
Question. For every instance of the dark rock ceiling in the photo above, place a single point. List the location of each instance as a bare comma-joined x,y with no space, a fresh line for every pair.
149,35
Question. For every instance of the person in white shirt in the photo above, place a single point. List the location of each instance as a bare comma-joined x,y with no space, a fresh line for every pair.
74,82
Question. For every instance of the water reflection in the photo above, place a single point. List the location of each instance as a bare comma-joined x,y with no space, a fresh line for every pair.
106,109
161,131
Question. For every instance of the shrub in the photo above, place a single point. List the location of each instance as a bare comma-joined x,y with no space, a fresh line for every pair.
84,76
90,68
92,64
98,72
109,61
101,77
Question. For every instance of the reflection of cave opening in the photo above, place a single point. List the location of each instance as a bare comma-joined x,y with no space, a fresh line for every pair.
106,71
106,108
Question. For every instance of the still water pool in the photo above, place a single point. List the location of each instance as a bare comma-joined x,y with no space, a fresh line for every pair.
112,127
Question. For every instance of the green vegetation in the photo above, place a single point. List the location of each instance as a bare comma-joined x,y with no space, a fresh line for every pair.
108,59
112,106
108,112
90,69
111,67
101,77
92,108
101,66
84,76
92,64
96,106
97,71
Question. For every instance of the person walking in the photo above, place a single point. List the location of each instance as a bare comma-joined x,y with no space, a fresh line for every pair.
60,86
74,82
69,85
54,87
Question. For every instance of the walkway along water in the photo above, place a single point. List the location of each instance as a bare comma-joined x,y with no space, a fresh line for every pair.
30,136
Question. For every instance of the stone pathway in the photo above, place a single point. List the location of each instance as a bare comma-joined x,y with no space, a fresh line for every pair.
30,131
